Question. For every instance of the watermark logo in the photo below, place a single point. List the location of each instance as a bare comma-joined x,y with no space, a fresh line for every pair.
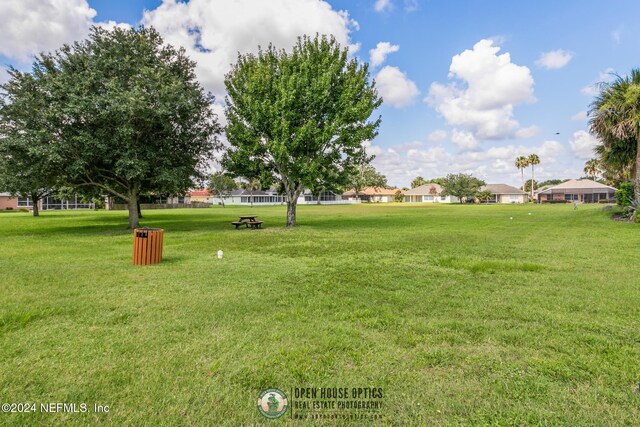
273,403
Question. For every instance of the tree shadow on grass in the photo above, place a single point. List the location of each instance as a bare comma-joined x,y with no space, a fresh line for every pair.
112,224
173,259
107,224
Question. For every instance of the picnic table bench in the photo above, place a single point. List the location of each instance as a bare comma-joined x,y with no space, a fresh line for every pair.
248,221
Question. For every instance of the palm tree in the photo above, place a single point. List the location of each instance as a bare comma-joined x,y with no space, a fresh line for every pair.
252,185
592,168
615,120
533,160
521,163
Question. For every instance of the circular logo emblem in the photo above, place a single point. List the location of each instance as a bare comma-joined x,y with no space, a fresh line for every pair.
273,403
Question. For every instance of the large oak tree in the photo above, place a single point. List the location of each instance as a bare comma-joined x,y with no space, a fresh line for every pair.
463,186
27,167
294,116
126,115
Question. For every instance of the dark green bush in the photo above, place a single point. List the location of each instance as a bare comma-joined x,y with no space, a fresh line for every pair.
554,201
624,194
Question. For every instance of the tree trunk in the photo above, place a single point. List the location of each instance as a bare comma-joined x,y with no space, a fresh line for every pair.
35,200
292,204
291,212
138,207
522,175
318,201
132,203
531,182
251,198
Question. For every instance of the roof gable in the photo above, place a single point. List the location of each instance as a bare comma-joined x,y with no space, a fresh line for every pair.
374,191
425,190
502,189
579,184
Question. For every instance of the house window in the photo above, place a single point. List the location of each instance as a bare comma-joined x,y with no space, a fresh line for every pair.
427,198
571,197
514,198
443,197
24,202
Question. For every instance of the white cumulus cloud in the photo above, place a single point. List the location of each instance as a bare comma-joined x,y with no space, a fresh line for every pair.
437,136
110,25
464,140
554,59
383,5
214,31
379,54
395,87
28,27
528,132
486,89
583,144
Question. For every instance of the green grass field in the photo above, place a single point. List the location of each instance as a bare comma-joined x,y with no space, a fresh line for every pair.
460,314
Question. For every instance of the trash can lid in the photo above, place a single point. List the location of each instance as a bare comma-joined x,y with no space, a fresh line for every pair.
149,229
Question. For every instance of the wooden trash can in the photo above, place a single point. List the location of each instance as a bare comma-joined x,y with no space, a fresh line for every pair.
147,246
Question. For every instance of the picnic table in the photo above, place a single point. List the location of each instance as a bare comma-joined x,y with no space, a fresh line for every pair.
249,221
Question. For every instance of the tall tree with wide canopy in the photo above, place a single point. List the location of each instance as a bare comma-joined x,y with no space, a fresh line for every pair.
294,115
463,186
27,167
128,115
221,184
615,121
332,180
364,176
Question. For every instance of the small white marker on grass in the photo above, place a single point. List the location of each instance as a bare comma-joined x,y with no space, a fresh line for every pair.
220,253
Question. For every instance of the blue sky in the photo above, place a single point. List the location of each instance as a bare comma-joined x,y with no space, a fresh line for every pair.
468,85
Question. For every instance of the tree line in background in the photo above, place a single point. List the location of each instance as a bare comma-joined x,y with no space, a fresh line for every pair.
123,114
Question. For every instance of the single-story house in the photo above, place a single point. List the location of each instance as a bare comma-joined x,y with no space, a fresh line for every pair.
503,193
428,193
326,197
581,190
200,196
247,197
373,194
266,197
7,202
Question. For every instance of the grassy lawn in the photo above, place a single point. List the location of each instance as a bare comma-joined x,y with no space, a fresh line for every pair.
460,314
